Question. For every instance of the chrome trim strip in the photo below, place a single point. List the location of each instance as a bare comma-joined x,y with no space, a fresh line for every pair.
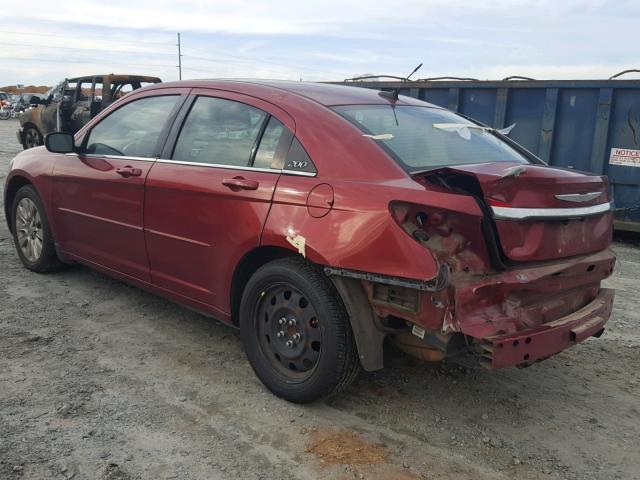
506,213
217,165
114,157
200,164
237,167
296,172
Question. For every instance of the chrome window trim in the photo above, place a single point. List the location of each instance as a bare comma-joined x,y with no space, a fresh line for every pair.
218,165
199,164
506,213
301,174
115,157
237,167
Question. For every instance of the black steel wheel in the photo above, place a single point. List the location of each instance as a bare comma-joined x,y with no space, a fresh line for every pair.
32,138
289,330
296,332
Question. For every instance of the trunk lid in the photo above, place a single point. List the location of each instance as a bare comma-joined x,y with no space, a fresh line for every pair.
541,213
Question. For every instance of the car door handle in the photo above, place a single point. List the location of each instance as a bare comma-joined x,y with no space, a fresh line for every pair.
240,183
129,171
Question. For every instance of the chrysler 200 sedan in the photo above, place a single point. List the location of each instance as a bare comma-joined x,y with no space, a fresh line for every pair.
322,220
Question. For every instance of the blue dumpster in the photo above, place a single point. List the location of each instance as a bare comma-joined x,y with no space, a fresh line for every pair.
590,125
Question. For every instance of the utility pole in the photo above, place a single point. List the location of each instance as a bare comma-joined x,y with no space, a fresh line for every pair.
179,58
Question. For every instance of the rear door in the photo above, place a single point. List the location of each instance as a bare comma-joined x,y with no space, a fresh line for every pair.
98,194
208,197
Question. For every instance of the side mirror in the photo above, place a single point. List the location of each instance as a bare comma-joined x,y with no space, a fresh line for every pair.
59,142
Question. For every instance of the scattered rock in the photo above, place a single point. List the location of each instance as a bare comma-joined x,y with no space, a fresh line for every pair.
64,409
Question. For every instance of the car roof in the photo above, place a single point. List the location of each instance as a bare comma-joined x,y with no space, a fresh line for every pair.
323,93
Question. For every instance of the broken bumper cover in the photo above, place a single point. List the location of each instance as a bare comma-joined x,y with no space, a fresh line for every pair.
528,346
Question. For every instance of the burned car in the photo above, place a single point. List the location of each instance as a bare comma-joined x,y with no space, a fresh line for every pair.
321,221
72,103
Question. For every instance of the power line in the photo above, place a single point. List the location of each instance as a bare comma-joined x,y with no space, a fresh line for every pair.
85,38
83,49
247,60
79,62
179,59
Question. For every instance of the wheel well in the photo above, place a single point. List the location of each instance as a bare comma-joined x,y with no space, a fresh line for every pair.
247,267
15,184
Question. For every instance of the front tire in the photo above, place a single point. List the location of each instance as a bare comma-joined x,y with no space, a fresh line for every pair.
296,332
31,232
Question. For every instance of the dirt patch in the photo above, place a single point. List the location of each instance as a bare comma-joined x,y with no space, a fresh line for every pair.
346,446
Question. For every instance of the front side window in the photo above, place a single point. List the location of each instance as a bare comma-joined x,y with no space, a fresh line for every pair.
219,132
132,130
420,138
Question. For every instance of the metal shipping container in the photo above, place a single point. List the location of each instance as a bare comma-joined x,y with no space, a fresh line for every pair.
568,123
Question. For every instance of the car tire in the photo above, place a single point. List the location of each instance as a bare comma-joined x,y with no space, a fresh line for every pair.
31,233
31,138
323,359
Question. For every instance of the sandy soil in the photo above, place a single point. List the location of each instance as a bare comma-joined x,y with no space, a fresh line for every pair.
99,380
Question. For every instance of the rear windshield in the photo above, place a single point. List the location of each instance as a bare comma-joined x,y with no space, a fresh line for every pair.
420,138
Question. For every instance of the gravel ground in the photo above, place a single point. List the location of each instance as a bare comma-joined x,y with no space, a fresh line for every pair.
100,380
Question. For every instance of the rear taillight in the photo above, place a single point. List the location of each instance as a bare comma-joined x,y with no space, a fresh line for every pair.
419,218
452,237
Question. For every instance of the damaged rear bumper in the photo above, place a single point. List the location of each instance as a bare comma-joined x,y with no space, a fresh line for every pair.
528,346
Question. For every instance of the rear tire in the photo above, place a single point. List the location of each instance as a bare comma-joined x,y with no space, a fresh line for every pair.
31,233
31,138
296,332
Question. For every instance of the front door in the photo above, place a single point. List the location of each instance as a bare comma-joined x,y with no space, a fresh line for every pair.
98,194
208,199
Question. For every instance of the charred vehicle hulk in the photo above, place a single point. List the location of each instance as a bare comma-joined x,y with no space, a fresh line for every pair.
73,102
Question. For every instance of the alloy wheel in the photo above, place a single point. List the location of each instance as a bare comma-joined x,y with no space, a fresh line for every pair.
29,230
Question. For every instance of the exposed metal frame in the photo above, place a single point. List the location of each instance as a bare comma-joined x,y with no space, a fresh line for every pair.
437,284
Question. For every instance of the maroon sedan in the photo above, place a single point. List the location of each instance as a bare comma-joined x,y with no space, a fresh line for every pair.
321,220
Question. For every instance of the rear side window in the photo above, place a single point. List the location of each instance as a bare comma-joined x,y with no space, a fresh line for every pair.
271,145
132,130
421,138
220,132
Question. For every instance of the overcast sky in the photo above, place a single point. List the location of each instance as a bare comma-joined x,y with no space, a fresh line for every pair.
43,42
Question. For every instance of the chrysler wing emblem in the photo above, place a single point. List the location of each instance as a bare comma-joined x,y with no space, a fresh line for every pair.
578,197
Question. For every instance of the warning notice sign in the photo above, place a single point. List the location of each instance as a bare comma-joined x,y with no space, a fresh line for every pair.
625,156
